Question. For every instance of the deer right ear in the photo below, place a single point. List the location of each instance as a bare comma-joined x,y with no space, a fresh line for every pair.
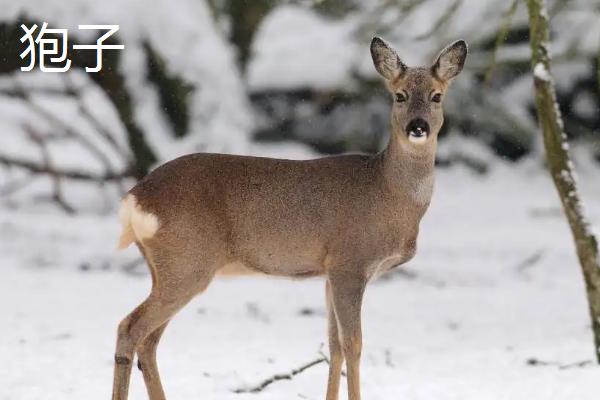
450,61
386,60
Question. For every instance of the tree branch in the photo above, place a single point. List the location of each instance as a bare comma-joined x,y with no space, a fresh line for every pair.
15,185
441,21
598,68
68,130
65,173
499,39
57,195
96,124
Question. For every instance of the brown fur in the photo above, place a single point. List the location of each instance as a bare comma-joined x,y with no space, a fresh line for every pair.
349,218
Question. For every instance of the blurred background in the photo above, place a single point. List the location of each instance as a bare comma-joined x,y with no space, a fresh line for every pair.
493,306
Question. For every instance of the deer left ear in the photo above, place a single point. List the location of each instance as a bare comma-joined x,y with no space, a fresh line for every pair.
386,60
450,61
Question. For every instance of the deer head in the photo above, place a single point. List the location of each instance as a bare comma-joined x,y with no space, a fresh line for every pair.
417,92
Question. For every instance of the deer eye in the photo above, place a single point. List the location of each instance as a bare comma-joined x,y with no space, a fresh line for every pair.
437,98
400,97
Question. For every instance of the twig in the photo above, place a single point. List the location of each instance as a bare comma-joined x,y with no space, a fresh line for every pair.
373,24
388,358
96,124
131,267
68,131
499,39
101,129
442,20
558,6
598,68
530,261
279,377
322,354
534,362
400,272
15,185
57,195
16,92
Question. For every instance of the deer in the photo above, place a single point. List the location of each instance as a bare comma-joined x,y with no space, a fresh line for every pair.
348,218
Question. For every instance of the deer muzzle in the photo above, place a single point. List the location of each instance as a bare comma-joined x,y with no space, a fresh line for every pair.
417,130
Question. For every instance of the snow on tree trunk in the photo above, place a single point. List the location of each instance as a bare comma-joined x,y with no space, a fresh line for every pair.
561,168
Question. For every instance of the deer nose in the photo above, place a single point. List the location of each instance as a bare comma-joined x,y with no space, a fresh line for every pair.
417,128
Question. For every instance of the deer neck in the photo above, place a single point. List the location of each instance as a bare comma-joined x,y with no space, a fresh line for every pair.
408,168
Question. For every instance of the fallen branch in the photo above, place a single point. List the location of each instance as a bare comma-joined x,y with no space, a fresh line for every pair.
280,377
534,362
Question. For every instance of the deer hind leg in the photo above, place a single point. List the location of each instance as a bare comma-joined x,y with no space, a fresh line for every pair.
336,356
150,316
347,292
136,326
147,363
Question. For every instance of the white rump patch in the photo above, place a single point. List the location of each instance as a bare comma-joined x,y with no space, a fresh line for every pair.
143,224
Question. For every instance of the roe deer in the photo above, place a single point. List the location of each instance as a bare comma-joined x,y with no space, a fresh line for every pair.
348,218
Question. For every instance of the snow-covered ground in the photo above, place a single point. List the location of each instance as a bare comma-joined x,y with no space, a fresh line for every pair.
495,284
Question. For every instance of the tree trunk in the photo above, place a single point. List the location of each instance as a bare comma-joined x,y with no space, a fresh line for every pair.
561,168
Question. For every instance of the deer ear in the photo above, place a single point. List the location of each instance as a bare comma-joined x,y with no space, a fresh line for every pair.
450,61
386,60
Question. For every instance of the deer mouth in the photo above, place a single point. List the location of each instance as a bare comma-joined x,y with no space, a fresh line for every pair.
417,130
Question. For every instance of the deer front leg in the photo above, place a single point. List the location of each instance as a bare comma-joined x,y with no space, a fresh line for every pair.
336,356
347,292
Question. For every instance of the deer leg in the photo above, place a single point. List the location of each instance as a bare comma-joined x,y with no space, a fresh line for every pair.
147,363
336,356
146,318
155,311
347,292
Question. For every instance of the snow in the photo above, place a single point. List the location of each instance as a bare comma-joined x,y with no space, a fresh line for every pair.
541,73
330,53
297,48
584,105
495,284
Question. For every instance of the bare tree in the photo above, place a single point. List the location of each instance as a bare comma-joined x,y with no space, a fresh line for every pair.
561,168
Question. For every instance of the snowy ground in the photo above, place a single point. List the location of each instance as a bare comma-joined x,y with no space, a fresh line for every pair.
495,284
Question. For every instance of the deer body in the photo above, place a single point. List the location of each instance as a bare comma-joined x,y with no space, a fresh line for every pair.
287,218
349,218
